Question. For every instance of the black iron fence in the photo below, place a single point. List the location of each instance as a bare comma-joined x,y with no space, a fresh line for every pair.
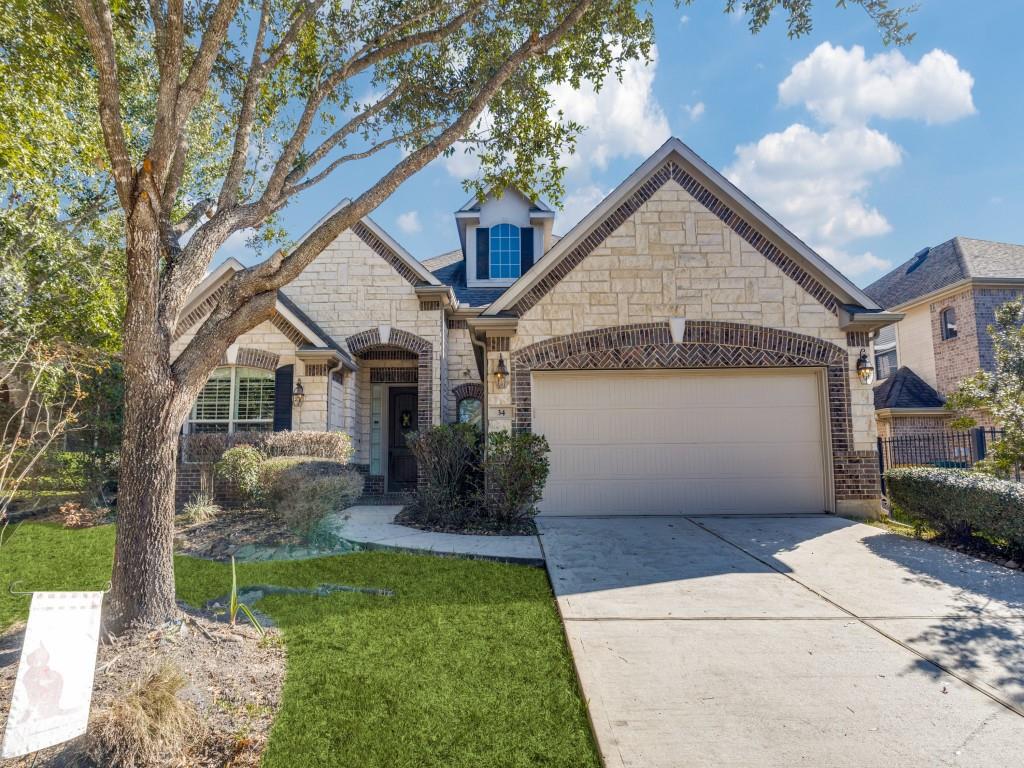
936,449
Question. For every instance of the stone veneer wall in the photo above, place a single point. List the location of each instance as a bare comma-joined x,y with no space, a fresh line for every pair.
673,257
461,366
351,288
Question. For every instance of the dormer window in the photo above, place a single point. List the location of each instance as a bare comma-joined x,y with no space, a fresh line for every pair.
505,251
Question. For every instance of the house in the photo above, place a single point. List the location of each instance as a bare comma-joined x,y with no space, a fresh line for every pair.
679,348
948,295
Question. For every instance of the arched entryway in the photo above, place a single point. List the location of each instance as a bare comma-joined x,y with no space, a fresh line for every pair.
401,402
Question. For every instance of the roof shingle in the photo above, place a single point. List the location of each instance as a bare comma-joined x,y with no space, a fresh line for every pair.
946,264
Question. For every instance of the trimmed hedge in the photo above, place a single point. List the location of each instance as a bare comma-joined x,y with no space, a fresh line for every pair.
959,503
303,489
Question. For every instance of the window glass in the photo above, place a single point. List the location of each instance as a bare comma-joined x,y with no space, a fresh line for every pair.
235,400
885,364
504,256
470,409
948,323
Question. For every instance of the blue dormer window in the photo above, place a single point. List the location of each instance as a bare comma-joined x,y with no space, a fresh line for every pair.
505,251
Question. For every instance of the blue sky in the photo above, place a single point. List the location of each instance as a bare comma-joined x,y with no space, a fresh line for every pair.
867,153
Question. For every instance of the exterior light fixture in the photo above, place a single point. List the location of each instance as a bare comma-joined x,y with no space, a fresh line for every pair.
299,394
501,373
865,370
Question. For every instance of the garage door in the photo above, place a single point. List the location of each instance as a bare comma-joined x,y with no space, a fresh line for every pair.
681,442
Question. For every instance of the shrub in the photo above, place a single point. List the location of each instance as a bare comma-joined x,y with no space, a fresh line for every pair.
448,459
75,515
201,508
241,465
336,446
305,503
516,467
959,503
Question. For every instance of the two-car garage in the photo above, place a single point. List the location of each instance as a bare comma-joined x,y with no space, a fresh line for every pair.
683,441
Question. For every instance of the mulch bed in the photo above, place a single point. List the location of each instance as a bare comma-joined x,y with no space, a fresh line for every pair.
234,679
474,527
230,530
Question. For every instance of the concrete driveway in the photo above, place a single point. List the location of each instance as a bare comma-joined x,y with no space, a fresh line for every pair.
786,641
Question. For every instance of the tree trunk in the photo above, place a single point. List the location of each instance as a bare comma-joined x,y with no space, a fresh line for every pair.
142,592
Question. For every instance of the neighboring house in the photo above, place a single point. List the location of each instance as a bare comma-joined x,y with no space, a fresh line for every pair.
948,295
680,350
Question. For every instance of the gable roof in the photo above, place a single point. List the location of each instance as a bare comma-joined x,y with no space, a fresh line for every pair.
721,197
905,389
454,276
291,320
946,264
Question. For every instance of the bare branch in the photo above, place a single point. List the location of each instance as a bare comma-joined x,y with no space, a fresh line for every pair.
338,162
350,69
344,132
203,207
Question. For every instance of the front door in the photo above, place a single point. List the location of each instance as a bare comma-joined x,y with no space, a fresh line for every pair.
402,418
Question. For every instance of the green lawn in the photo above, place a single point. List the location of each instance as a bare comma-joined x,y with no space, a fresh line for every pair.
465,666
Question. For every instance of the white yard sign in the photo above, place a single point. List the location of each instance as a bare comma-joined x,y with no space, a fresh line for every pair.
54,685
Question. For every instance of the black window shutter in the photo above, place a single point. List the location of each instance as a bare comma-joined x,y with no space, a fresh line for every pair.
525,249
483,253
283,397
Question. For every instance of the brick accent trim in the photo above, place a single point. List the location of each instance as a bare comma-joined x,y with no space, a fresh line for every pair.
387,354
315,370
858,339
470,389
707,344
289,330
368,340
429,306
454,323
385,251
257,358
498,343
198,312
394,375
711,202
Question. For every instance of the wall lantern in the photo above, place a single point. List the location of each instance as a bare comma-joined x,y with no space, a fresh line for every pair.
501,373
299,394
865,370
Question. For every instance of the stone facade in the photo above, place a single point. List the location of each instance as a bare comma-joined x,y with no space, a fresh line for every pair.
670,250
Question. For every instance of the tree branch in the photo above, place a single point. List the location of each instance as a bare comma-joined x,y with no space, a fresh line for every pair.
98,27
205,206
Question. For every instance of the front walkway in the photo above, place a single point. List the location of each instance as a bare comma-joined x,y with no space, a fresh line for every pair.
787,641
372,527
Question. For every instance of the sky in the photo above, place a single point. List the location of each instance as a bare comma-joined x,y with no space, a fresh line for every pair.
867,153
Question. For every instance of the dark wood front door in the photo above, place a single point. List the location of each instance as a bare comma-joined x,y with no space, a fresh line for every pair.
402,418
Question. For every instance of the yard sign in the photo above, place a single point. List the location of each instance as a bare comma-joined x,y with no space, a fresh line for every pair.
54,685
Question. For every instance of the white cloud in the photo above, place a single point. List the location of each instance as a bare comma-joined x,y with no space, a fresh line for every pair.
840,86
623,119
816,180
684,19
409,222
577,204
695,111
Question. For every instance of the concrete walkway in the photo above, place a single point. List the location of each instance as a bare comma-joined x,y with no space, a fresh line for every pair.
788,641
373,527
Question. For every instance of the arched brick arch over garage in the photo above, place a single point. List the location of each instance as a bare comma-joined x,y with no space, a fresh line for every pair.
707,345
371,340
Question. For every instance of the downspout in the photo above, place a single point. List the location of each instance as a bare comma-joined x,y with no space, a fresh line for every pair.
483,375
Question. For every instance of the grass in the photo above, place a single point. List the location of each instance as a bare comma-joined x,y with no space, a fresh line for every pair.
465,666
